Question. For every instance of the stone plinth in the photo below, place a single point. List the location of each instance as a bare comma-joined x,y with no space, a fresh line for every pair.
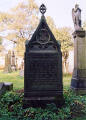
78,82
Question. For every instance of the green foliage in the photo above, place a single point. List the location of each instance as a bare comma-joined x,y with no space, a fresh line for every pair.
11,107
21,21
64,37
11,103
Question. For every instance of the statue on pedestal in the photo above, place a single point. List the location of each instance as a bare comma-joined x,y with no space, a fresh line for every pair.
78,82
76,16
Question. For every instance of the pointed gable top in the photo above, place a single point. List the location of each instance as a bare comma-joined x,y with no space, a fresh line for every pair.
43,34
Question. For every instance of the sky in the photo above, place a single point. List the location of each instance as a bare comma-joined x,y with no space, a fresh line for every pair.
59,10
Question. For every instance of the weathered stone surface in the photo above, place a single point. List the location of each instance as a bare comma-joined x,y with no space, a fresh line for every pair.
43,68
78,82
1,85
7,68
5,87
8,86
2,89
76,15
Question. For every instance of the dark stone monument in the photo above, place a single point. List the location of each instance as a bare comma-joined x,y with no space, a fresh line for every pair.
43,67
78,83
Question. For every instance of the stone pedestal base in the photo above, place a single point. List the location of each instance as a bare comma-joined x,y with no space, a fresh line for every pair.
78,83
42,101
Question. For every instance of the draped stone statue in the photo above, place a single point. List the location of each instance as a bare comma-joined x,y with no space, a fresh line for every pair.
76,16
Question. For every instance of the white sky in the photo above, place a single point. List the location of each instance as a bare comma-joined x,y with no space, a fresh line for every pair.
59,10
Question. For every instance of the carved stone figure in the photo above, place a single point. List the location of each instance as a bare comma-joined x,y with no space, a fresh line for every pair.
76,16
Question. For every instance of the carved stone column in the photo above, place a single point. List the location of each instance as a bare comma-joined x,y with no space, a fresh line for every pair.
78,82
13,66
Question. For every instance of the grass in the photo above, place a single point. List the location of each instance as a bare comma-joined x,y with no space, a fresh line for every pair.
18,83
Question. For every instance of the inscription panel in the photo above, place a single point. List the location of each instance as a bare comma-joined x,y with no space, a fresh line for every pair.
42,72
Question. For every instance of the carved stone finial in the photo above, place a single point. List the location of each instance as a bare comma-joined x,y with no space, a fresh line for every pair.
42,9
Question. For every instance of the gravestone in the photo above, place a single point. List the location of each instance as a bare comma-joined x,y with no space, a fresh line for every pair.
21,73
16,63
78,82
7,68
43,67
2,89
4,86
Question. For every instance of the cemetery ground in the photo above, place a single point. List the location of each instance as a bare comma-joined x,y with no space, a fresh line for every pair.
11,103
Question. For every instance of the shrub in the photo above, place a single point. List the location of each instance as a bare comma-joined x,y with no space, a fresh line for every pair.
11,108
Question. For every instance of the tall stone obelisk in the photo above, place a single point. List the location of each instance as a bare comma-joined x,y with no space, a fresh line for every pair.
78,82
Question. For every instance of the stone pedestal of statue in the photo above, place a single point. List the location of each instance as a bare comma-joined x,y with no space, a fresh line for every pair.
78,82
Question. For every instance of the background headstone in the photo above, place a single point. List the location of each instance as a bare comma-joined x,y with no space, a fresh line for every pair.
2,89
21,73
8,86
5,87
16,63
7,68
